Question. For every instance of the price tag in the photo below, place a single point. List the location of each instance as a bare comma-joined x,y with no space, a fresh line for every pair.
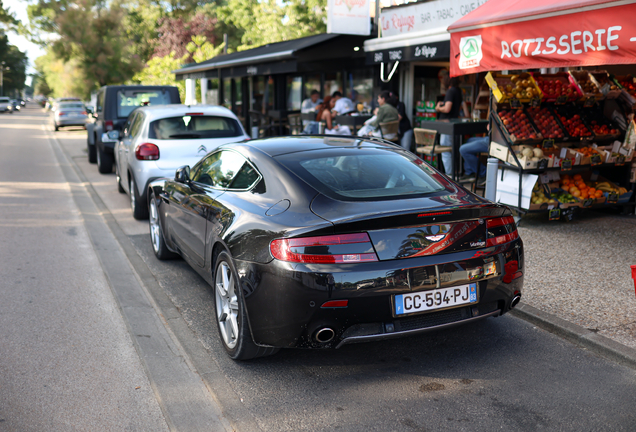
589,102
566,165
596,159
561,100
548,143
612,198
535,102
588,202
620,160
515,103
554,214
542,164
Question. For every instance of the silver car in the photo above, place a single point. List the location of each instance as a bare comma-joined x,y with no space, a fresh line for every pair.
159,139
69,114
5,105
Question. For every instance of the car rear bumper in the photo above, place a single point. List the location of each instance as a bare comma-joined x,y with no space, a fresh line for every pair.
284,300
71,121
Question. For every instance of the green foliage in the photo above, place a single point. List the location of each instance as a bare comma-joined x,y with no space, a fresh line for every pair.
268,21
61,78
158,71
203,50
16,62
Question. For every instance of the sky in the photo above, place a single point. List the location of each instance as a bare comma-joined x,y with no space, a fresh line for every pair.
19,9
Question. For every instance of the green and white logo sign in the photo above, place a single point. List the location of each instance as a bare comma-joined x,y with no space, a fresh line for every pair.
470,53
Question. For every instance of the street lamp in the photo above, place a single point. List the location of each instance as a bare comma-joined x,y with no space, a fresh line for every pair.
2,69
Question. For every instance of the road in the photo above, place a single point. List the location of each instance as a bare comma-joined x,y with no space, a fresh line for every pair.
501,373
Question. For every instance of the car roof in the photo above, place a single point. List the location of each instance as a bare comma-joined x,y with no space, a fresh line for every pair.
277,146
162,111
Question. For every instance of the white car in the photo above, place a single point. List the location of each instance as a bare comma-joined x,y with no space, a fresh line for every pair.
5,105
159,139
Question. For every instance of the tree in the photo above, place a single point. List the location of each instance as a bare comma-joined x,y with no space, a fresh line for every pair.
6,17
16,61
269,21
62,78
174,34
158,71
90,34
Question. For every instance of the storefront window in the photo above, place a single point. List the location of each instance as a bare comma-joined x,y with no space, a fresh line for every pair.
212,97
312,82
238,97
227,93
263,94
333,82
268,97
360,86
294,89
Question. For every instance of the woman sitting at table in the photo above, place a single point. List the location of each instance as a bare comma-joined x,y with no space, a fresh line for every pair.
324,115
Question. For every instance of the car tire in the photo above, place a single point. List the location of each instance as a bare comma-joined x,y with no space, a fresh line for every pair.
118,177
157,240
231,318
92,152
139,209
104,161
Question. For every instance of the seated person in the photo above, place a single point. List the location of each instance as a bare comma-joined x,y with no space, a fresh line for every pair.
311,103
385,113
343,105
470,152
325,115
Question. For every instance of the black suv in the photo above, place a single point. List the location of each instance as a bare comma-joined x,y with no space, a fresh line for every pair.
114,104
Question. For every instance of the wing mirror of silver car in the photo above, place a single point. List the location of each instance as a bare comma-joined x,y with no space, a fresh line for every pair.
183,174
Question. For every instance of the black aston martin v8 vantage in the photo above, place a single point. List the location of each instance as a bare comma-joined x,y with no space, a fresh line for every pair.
318,242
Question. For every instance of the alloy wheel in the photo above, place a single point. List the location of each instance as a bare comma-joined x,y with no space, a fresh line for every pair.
155,229
227,307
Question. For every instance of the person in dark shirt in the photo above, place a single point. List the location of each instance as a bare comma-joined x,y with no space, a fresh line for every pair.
405,130
449,109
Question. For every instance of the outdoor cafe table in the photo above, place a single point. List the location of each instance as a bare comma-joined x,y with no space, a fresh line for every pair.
456,128
355,121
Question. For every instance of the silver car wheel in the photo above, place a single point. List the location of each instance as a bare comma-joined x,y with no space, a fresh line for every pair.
155,228
227,307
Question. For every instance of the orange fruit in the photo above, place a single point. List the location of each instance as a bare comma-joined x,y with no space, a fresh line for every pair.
576,193
598,194
591,190
573,189
577,177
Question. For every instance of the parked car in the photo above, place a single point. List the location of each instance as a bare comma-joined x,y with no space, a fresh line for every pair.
113,106
69,114
290,232
15,105
157,140
5,105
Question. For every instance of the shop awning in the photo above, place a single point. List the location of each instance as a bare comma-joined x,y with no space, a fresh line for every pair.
274,52
532,34
420,46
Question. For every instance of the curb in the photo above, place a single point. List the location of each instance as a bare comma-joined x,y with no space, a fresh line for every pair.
578,335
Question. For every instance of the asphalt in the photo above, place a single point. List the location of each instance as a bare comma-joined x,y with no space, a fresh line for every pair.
502,373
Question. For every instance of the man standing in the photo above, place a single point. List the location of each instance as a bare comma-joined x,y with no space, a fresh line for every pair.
449,109
343,105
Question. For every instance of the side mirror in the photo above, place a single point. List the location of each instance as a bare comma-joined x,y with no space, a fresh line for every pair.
182,175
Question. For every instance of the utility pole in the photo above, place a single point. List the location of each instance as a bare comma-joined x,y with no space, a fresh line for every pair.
2,69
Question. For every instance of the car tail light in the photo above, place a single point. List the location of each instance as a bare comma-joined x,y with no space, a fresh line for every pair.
109,125
511,271
501,230
332,249
84,113
62,113
193,114
335,304
147,151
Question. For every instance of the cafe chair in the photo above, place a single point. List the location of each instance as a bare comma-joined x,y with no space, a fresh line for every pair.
427,145
390,129
295,124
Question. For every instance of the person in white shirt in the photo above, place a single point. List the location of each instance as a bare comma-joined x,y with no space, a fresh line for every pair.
343,105
309,105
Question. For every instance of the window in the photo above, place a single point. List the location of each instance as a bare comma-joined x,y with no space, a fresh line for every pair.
129,121
71,106
128,100
227,93
219,169
312,82
135,126
245,178
100,102
364,174
333,82
294,89
360,87
194,127
238,98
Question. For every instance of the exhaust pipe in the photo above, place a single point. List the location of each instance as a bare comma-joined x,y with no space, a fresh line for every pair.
324,335
515,301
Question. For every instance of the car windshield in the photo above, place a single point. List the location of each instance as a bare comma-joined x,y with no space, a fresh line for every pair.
4,99
71,106
128,100
194,127
364,174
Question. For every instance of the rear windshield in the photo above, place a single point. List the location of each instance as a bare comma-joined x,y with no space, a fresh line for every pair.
128,100
194,127
4,99
71,105
364,174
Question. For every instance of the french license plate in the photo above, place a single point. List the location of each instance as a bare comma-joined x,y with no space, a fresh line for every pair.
422,301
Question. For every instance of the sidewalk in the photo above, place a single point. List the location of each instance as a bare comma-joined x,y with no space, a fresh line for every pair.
580,271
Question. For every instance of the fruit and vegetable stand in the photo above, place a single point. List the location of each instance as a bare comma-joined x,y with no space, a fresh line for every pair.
565,139
571,149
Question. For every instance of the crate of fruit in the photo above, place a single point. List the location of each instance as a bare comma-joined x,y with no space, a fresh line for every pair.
558,87
627,83
589,90
547,123
517,126
573,122
607,86
513,88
